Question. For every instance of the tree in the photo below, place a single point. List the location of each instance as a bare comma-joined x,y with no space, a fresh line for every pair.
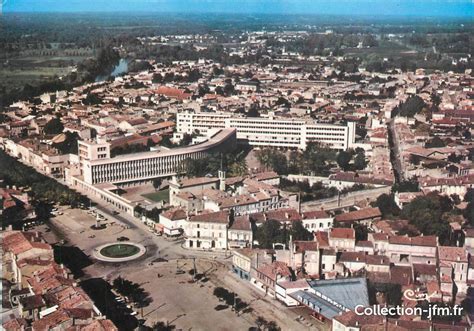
410,185
69,145
469,196
467,134
369,41
299,232
317,159
162,326
274,160
157,183
387,205
343,158
269,233
261,322
272,326
253,112
264,325
92,99
54,126
131,290
436,142
426,214
469,213
359,161
412,106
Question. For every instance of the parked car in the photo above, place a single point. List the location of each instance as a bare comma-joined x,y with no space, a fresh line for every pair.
122,238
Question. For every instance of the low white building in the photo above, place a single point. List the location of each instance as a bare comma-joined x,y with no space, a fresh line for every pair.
173,222
240,234
317,220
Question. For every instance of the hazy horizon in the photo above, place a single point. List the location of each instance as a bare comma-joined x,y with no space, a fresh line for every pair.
391,8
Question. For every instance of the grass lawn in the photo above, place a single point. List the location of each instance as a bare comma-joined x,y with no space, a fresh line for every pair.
158,196
119,250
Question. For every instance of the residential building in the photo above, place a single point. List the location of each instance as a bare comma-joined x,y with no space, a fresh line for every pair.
208,231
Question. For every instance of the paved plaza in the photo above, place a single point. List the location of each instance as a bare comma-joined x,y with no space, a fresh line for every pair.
175,299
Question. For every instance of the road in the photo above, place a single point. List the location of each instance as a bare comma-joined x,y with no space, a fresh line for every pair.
395,156
346,200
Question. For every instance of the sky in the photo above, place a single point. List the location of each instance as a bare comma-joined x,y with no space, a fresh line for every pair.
422,8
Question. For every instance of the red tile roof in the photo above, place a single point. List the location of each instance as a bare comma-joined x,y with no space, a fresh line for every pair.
52,320
352,257
172,92
452,254
284,215
431,241
359,215
215,217
241,223
275,269
18,242
197,181
315,214
377,260
303,246
342,233
175,214
321,238
15,324
100,325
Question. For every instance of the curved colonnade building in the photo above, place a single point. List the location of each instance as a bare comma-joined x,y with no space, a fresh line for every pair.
100,175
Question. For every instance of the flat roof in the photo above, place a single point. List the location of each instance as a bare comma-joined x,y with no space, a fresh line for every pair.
213,141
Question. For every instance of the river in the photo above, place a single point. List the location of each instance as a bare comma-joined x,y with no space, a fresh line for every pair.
120,68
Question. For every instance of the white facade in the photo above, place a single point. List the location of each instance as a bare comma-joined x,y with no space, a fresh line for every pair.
148,165
270,131
206,235
172,227
318,224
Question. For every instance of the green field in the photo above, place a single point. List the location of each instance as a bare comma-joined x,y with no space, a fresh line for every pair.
162,195
19,70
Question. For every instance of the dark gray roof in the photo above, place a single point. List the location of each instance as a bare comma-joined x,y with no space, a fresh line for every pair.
316,303
348,292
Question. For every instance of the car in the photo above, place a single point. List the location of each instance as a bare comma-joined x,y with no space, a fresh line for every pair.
115,212
122,238
133,313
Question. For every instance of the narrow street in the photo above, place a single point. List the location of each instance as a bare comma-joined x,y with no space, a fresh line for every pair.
395,157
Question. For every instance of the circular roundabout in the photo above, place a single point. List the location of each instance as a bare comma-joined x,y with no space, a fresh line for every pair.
119,252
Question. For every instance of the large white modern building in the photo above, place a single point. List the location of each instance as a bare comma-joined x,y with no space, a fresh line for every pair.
96,169
270,131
